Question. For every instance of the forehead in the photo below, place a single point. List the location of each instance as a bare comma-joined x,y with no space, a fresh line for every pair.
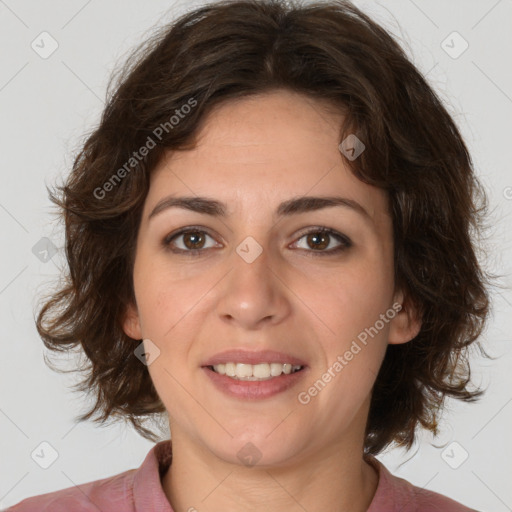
261,150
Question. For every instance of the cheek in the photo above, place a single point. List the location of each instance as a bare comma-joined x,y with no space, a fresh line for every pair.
164,295
355,299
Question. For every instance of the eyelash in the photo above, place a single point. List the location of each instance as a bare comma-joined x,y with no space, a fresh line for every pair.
345,241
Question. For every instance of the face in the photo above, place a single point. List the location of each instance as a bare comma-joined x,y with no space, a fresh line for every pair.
265,277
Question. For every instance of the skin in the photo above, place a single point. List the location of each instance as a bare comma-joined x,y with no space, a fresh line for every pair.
252,154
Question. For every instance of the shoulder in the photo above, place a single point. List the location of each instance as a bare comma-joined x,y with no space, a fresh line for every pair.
396,494
102,494
135,489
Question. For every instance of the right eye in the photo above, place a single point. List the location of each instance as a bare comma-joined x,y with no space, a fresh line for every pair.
193,241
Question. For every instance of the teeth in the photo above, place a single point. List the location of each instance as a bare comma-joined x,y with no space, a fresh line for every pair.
262,371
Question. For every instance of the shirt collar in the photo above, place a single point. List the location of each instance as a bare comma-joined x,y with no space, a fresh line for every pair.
148,493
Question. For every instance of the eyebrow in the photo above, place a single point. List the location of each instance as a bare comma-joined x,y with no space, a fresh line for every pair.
293,206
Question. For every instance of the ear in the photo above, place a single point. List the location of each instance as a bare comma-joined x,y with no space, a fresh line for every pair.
131,322
406,325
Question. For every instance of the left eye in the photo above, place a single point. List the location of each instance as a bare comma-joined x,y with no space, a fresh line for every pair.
321,238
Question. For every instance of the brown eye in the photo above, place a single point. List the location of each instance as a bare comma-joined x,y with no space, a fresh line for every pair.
318,239
187,241
193,240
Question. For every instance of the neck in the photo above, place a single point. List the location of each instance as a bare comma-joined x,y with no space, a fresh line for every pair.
199,480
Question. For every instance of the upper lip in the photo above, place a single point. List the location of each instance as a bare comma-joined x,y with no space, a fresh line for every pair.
255,357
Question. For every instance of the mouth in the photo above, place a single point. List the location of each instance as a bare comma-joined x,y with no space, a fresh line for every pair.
254,375
254,382
254,372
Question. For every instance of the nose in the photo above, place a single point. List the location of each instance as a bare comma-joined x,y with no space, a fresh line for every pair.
253,293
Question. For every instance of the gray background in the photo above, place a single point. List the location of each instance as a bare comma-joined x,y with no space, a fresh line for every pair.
47,105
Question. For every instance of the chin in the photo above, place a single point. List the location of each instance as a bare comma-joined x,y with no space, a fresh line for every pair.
257,448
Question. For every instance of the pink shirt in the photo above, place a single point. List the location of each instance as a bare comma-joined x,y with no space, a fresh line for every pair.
140,490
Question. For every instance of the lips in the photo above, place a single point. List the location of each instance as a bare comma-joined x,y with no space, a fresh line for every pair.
253,357
254,390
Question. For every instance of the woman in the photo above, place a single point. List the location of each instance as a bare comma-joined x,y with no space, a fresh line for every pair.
268,238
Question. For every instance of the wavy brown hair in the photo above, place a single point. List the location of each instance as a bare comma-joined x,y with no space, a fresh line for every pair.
414,151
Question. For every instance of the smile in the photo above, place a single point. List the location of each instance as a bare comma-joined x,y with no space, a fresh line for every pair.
251,387
252,372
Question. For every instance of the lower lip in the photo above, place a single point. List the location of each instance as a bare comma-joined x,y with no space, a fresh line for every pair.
253,389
